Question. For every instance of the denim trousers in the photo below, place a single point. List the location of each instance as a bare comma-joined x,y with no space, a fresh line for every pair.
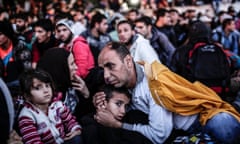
223,127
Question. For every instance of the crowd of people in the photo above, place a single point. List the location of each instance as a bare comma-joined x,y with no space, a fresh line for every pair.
79,72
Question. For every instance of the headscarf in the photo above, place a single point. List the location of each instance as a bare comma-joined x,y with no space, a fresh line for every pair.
55,62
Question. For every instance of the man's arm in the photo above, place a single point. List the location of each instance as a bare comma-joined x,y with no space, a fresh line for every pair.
157,130
159,127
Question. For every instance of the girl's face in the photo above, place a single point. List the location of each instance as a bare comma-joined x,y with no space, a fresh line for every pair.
72,66
117,105
41,92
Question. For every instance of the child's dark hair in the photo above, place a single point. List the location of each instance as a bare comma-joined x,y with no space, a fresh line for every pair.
26,80
109,89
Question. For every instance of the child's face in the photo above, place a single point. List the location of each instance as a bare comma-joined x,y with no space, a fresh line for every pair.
117,105
41,93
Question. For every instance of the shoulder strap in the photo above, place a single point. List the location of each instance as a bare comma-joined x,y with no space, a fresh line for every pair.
197,45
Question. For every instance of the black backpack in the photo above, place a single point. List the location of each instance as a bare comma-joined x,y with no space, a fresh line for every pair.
208,63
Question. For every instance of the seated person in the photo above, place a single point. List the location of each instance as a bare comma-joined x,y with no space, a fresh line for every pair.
117,102
43,120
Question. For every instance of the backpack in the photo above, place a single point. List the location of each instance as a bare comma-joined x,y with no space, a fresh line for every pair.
208,63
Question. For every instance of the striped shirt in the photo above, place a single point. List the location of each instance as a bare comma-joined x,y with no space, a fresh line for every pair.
38,128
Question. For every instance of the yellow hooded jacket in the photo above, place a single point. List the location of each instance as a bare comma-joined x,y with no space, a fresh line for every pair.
183,97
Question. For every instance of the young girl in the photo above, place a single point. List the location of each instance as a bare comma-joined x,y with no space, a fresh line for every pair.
117,102
42,120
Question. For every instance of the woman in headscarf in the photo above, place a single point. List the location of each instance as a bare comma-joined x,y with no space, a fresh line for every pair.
59,63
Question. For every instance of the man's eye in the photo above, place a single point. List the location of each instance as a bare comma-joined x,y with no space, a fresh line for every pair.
110,66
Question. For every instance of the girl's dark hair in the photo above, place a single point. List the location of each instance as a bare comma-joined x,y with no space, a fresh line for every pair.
109,89
26,80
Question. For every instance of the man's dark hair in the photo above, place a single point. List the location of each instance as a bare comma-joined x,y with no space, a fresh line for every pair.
133,11
161,12
46,24
97,18
145,19
226,22
120,49
173,10
126,22
22,15
79,9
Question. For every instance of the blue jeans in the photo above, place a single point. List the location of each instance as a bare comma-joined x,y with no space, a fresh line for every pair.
223,127
75,140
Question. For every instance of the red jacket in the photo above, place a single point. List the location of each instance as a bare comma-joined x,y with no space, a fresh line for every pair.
82,55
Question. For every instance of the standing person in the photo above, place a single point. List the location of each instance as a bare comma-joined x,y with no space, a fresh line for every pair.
158,40
96,35
59,63
45,39
139,47
117,102
43,120
196,107
83,56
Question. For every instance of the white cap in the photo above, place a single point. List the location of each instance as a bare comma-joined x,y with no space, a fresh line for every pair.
66,22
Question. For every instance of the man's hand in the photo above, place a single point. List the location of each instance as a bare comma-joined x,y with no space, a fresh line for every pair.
99,100
106,118
72,134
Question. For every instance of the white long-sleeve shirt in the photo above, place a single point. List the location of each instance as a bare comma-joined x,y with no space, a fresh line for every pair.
141,50
160,120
